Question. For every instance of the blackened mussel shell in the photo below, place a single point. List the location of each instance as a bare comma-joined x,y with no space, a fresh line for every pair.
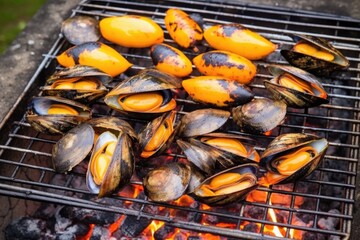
111,164
168,182
260,115
299,89
202,121
55,115
81,29
148,92
292,156
315,55
154,138
228,186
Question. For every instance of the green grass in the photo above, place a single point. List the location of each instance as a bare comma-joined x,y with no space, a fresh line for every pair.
14,15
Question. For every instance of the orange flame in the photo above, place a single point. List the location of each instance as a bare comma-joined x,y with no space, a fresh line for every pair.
276,229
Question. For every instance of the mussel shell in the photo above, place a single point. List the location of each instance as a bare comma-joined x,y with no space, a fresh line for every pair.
81,29
201,155
114,125
120,169
292,97
197,177
72,148
202,121
150,130
220,200
315,65
287,143
260,115
168,182
37,115
226,159
80,71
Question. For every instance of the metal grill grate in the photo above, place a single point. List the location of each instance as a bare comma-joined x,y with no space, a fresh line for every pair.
337,121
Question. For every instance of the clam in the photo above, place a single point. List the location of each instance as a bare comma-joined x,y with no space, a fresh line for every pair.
199,154
168,182
315,55
80,83
296,87
56,115
148,92
156,134
81,29
292,156
202,121
232,149
111,164
72,148
260,115
228,186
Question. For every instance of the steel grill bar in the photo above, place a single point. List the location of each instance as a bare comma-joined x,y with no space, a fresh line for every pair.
217,13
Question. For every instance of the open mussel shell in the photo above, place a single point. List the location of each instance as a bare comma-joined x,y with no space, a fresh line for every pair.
72,148
202,121
168,182
260,115
148,92
114,125
292,156
228,186
231,149
55,115
111,164
197,177
81,29
318,56
155,136
299,89
201,155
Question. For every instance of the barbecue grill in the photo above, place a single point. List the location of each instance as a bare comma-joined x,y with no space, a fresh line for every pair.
25,155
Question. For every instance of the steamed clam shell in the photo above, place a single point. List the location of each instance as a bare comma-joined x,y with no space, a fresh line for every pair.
111,164
148,92
292,156
228,186
81,29
260,115
168,182
315,55
55,115
296,87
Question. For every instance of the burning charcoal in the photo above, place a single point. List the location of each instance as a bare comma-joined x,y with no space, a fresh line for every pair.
329,223
89,216
251,227
313,236
26,228
163,232
61,222
100,233
67,236
254,212
78,229
132,226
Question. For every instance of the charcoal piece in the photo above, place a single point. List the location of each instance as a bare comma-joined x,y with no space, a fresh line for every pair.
89,216
313,236
78,229
251,227
25,228
66,236
329,223
163,232
100,233
61,222
254,212
132,227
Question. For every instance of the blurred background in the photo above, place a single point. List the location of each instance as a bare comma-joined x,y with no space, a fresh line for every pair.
14,14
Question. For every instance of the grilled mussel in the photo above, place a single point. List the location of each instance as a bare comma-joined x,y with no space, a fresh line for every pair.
168,182
153,139
81,29
111,164
148,92
291,156
315,55
228,186
55,115
217,91
202,121
296,87
260,115
80,83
